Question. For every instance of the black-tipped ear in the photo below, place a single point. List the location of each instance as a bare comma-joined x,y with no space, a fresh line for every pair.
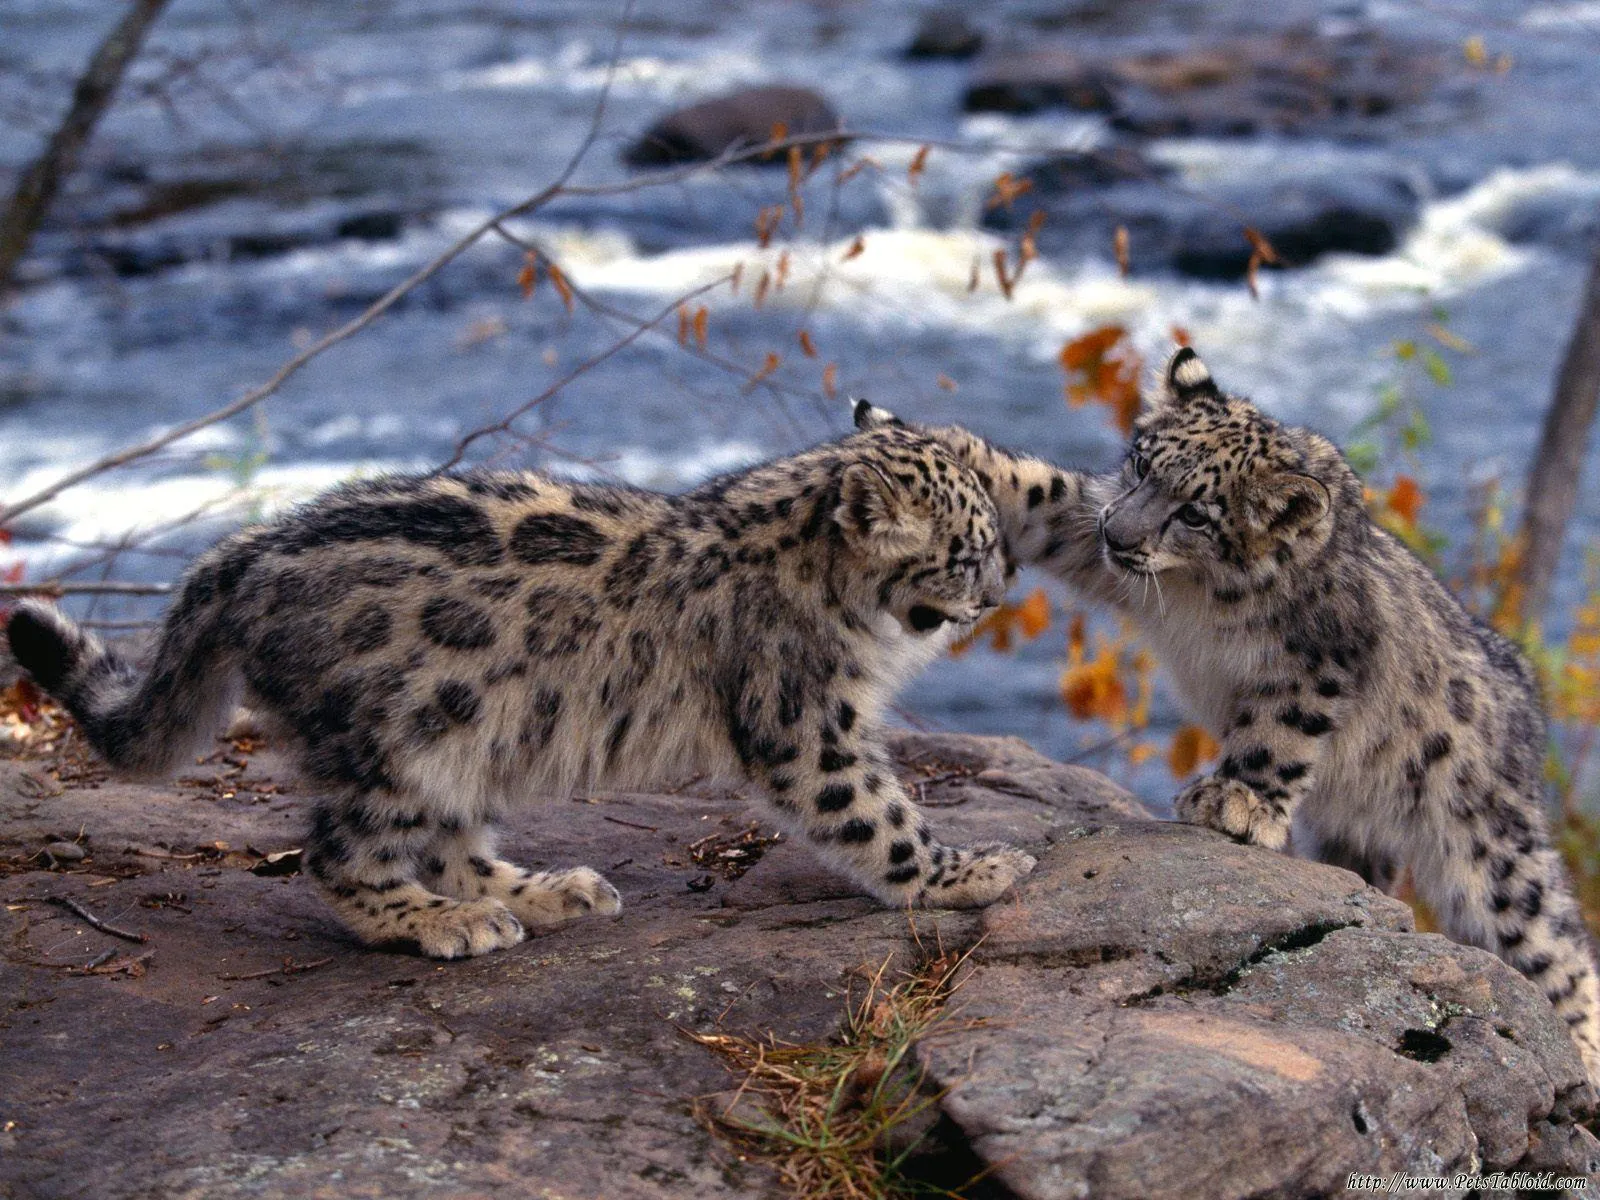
1187,378
876,514
869,417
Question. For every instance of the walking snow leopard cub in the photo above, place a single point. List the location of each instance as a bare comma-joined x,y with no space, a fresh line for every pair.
1352,694
440,646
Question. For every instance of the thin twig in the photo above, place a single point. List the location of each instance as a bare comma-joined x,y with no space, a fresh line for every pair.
631,824
89,587
67,902
288,968
504,424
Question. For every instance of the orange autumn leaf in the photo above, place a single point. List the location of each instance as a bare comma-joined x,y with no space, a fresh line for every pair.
781,271
807,346
761,288
1119,246
1141,752
944,383
1033,614
1103,368
559,278
918,163
1031,618
1190,747
1076,637
528,277
1000,275
1007,188
855,250
1094,689
1405,499
768,366
830,380
683,324
702,319
767,222
1180,335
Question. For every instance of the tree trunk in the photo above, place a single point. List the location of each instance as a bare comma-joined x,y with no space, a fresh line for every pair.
1554,475
36,189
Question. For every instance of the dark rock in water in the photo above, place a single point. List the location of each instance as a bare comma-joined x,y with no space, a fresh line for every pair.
1293,83
1076,170
1087,196
1302,220
740,119
1026,81
1566,219
945,33
372,226
135,253
1157,1011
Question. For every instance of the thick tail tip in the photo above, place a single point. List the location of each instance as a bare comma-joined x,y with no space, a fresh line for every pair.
45,643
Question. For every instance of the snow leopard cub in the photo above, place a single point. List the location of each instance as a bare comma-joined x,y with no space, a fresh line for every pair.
441,646
1352,694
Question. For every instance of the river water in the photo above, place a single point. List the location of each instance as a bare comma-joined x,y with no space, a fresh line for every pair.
200,246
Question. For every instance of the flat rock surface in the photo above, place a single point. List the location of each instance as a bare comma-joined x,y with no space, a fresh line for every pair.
1157,1012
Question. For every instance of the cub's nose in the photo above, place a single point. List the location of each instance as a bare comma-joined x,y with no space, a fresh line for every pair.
991,599
1112,544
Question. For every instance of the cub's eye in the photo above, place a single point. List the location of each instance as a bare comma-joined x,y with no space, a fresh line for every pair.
1193,516
1141,465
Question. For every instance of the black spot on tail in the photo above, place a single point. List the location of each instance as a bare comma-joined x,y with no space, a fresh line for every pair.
42,645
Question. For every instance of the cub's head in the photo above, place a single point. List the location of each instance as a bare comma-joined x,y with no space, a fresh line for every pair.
1211,486
923,529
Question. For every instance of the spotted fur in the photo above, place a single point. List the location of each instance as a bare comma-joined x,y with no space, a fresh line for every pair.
441,646
1354,698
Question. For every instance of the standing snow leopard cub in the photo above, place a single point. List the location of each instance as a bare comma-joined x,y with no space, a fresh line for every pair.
1352,694
442,646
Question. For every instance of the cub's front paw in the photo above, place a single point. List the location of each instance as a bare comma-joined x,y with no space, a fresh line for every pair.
1233,808
464,928
974,877
551,897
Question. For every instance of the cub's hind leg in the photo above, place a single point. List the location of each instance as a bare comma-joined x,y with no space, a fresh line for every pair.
460,861
364,852
1509,893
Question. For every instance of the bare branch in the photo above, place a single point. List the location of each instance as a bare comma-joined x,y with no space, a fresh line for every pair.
36,189
1558,464
504,424
57,588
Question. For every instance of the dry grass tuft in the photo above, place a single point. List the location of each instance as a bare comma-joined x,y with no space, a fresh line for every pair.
840,1120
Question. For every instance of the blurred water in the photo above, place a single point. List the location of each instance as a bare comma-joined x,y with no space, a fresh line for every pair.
433,114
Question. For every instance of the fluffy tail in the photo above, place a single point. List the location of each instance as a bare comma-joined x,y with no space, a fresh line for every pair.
142,721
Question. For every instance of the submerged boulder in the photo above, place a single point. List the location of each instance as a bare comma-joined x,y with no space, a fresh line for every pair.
738,120
1304,213
1290,83
945,33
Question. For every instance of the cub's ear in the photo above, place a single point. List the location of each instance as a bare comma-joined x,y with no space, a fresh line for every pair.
869,417
1187,380
876,514
1287,503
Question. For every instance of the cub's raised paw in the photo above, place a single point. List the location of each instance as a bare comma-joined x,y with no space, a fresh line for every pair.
464,928
1233,808
550,897
975,876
